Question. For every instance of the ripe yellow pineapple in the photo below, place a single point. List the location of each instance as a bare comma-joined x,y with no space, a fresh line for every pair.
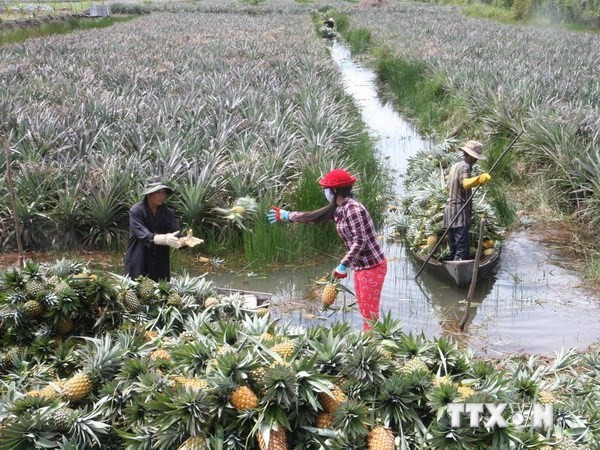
149,336
53,390
243,398
78,387
324,420
192,383
412,365
488,243
160,354
381,438
431,241
284,349
329,295
546,397
261,312
277,440
465,392
331,404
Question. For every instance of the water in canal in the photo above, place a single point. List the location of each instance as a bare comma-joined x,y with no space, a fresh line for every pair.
531,305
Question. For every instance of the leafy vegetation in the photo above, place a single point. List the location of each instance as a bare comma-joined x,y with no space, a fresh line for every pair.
92,360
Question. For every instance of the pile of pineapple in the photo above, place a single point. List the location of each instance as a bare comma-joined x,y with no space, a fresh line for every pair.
189,369
419,218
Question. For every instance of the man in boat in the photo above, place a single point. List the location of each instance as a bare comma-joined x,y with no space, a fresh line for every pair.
457,214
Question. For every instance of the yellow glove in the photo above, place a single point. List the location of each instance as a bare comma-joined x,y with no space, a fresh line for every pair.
190,240
472,182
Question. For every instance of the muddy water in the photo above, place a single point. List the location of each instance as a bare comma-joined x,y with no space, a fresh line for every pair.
531,305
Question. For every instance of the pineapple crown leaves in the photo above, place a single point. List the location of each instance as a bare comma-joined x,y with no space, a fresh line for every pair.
87,427
235,366
280,386
29,431
188,410
101,357
353,419
396,400
365,364
440,396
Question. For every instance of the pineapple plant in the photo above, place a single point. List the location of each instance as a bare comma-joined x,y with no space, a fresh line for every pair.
381,438
210,302
130,301
243,398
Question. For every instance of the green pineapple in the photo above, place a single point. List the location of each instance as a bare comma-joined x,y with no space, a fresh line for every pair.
146,288
130,301
174,299
61,420
33,308
194,443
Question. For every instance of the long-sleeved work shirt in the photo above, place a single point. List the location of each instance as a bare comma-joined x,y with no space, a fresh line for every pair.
143,256
458,196
356,228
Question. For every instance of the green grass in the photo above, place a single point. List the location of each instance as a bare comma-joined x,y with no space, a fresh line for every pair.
489,12
419,93
70,25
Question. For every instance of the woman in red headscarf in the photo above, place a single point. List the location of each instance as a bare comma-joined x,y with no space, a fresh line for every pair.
355,226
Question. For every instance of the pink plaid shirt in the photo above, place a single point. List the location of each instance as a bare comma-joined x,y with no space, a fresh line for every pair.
356,228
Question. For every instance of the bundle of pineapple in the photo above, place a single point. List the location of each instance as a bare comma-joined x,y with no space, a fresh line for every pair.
419,218
224,376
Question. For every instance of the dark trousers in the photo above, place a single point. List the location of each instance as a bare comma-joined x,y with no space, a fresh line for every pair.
459,241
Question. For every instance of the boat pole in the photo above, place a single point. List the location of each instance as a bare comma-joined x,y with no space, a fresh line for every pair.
464,206
474,276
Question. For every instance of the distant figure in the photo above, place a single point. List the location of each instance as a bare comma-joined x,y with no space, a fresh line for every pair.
459,191
330,23
153,230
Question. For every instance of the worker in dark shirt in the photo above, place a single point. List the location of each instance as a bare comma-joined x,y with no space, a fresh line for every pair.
153,232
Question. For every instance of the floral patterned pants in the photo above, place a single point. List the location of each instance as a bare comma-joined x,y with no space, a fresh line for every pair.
368,284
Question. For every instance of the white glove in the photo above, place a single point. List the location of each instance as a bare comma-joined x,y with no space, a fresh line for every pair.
169,239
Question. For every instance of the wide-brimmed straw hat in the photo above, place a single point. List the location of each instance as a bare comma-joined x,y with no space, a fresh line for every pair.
154,184
474,148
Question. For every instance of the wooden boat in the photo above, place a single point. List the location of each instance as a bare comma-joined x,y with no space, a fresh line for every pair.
460,273
252,299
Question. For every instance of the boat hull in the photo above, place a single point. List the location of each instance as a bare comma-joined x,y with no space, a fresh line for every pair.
460,273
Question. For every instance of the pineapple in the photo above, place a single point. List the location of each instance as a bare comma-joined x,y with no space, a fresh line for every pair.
191,383
34,287
78,387
330,292
277,440
149,336
188,336
33,308
53,390
284,349
62,287
194,443
324,420
61,420
174,299
381,438
412,365
465,392
243,398
145,288
488,243
130,301
431,242
160,355
210,302
331,404
546,397
261,312
65,326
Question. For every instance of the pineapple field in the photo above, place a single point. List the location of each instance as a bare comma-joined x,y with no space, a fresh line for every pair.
238,106
94,360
